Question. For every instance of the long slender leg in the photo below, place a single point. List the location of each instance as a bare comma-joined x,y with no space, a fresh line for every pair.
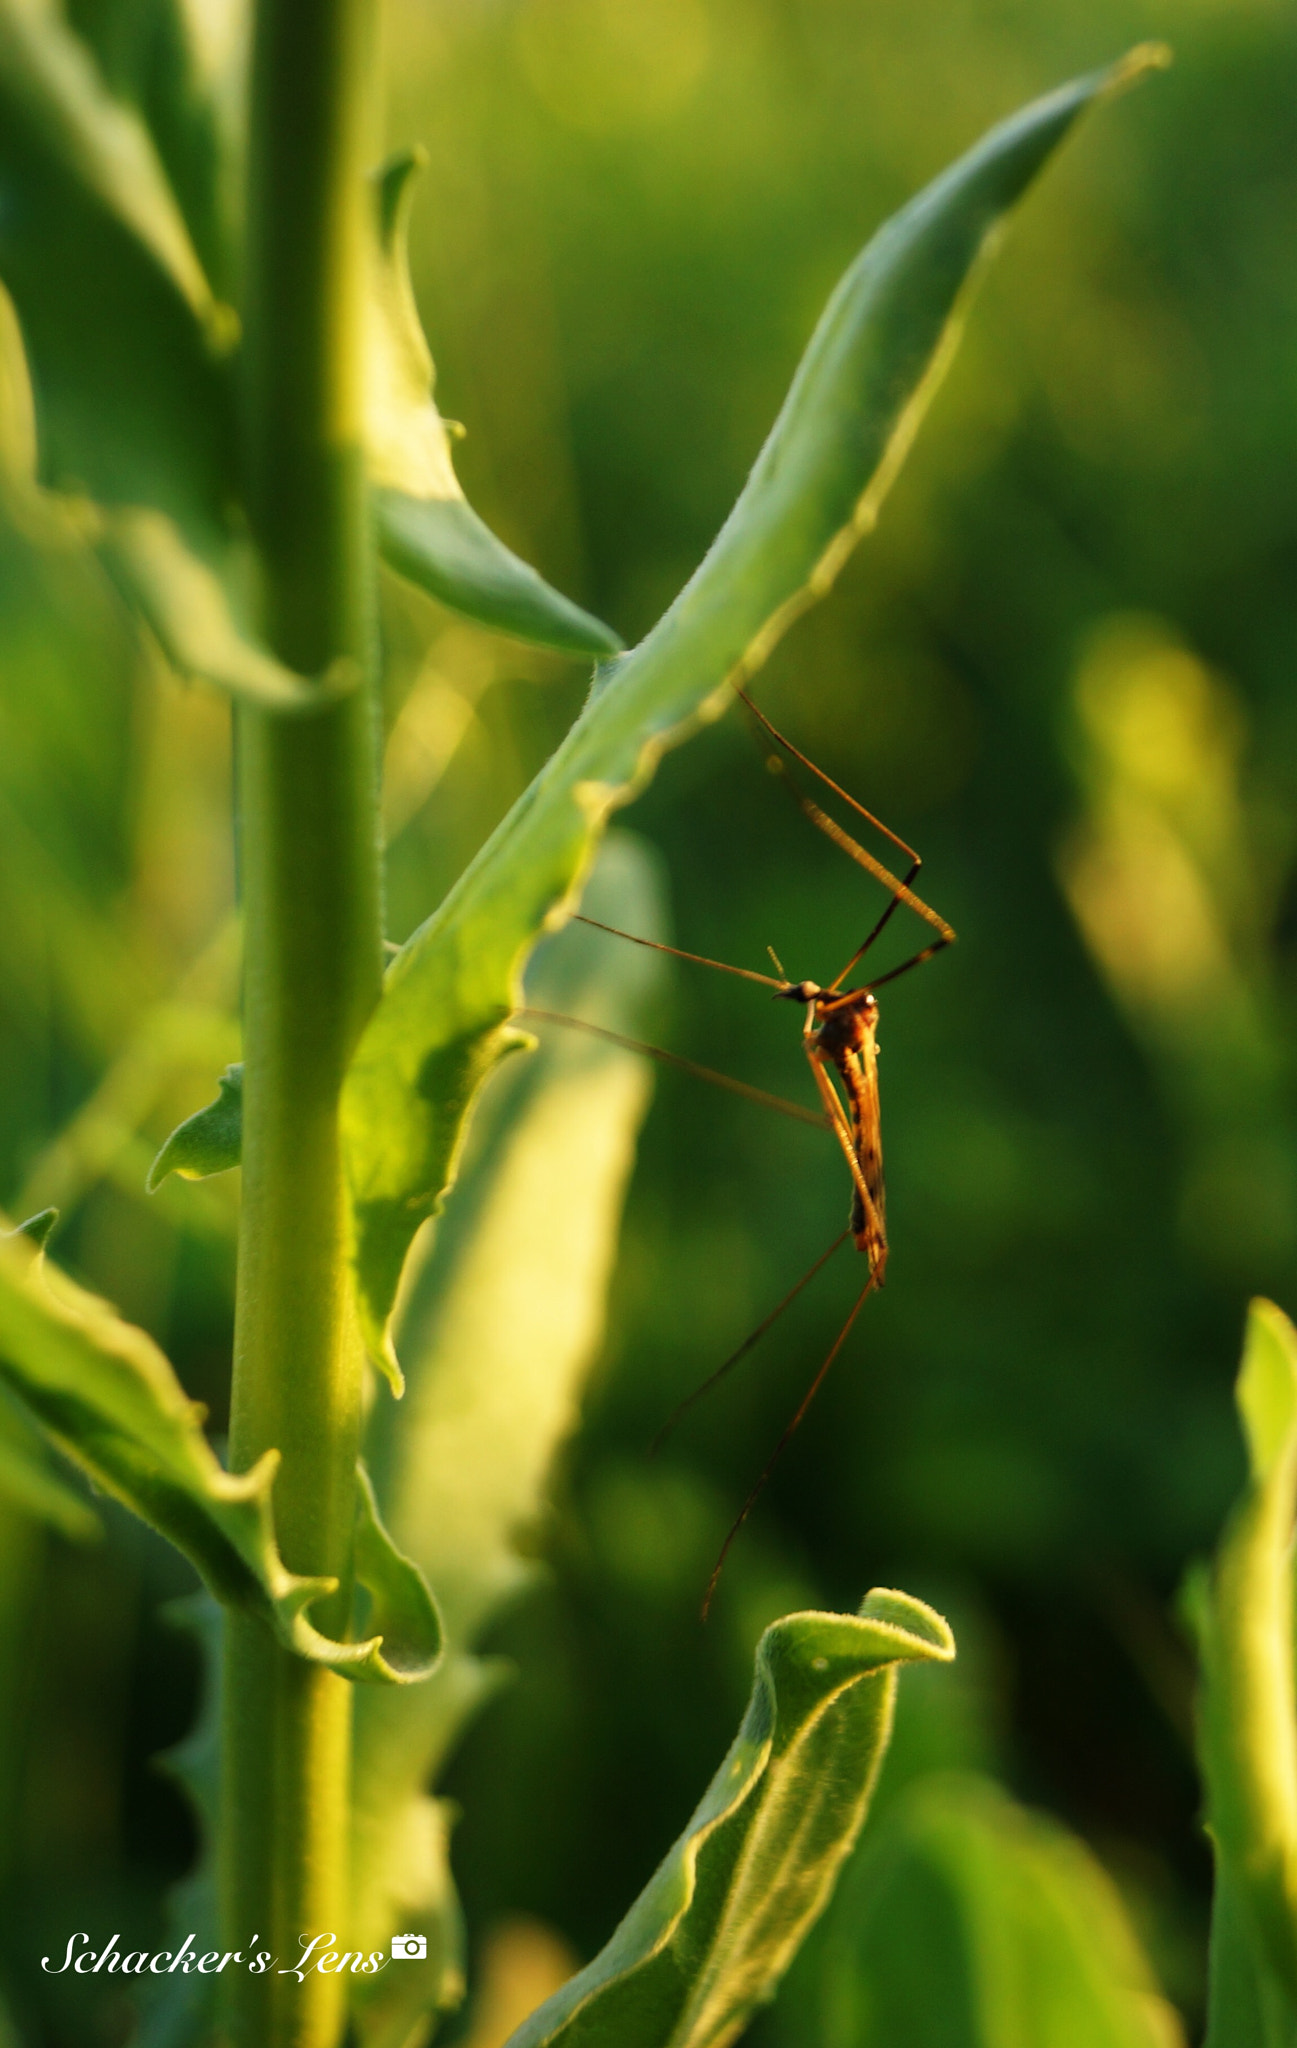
675,1059
901,891
827,780
783,1443
893,973
705,1386
881,926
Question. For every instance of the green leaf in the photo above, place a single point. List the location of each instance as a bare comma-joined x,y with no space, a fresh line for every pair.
49,80
27,1477
29,1482
131,354
401,1608
181,65
427,530
711,1934
192,606
210,1141
37,1229
109,1400
849,418
184,2009
503,1321
1248,1708
398,1607
442,545
17,404
128,347
967,1920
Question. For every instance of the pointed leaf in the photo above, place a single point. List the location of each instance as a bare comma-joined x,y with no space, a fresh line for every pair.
711,1934
27,1477
129,351
427,530
401,1612
1248,1707
969,1920
442,545
502,1323
38,1228
210,1141
850,416
109,1400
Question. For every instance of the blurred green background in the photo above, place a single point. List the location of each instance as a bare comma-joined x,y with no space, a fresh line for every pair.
1061,668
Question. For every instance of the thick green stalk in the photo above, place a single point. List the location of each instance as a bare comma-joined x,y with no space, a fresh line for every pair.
310,883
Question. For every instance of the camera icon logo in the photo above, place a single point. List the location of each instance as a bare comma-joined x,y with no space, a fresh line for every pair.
410,1948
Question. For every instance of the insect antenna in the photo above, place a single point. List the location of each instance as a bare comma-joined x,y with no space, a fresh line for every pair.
699,959
754,1336
795,1110
783,1444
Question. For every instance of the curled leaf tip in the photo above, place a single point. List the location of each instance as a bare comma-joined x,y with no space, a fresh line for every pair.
1145,57
395,181
36,1229
913,1617
210,1141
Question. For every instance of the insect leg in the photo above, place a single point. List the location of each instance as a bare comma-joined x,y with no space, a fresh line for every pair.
827,780
905,966
682,1407
783,1443
878,929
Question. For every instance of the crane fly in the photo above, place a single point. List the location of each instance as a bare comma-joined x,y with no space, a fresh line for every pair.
840,1040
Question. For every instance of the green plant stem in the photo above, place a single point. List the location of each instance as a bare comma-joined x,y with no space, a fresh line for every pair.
310,883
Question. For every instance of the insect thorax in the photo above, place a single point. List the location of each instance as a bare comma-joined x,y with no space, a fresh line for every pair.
847,1022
